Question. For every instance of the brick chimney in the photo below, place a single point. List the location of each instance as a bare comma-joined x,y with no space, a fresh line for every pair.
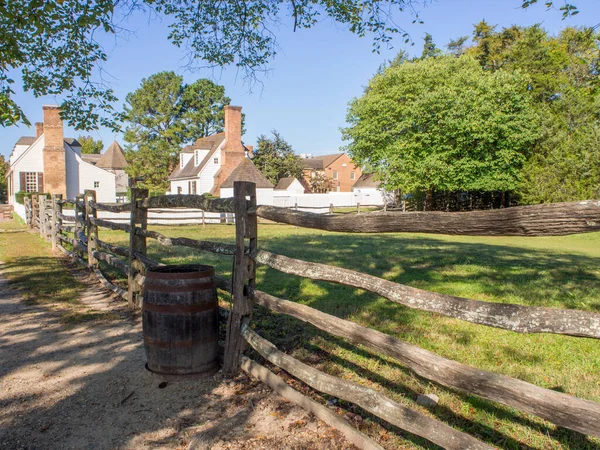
39,129
232,152
55,173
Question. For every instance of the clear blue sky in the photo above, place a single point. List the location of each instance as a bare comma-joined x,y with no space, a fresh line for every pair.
314,76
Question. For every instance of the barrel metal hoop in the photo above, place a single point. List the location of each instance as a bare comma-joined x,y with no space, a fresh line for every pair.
161,287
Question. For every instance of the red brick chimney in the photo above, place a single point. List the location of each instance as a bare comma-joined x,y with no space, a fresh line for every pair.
39,129
55,173
232,152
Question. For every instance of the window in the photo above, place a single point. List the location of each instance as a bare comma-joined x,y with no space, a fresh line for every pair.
181,160
192,187
179,190
352,176
96,184
334,175
196,157
216,160
31,181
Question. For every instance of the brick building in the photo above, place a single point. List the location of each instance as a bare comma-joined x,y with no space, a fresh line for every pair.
338,168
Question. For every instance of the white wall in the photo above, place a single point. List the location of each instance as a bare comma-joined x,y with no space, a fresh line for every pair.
88,174
369,196
293,189
206,178
264,196
33,161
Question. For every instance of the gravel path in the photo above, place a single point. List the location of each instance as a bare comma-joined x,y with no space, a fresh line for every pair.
85,387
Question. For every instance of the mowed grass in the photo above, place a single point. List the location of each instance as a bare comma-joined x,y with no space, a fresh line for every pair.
40,276
560,272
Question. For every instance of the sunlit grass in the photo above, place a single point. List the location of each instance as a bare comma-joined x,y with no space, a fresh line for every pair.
41,277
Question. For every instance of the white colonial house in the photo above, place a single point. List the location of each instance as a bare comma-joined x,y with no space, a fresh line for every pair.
213,163
51,163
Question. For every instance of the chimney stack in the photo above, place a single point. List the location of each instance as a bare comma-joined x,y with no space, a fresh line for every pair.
39,129
55,173
233,151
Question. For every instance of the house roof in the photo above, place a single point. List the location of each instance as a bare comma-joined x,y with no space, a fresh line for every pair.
28,140
367,180
320,162
247,171
210,143
91,158
112,158
285,183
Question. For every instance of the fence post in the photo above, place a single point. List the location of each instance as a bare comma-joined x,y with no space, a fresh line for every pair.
244,269
357,208
92,230
55,218
139,218
27,204
79,224
42,213
203,219
331,208
34,211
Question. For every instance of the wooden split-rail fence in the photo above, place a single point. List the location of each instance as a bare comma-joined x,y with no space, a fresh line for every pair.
80,234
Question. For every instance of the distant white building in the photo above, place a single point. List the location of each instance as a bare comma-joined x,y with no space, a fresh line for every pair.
51,163
367,190
289,186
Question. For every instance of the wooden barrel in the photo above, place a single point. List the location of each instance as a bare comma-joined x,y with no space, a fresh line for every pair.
180,320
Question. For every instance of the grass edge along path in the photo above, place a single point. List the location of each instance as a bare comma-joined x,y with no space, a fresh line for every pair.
43,278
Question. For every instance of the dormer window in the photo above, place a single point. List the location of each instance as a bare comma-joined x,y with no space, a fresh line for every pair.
216,160
196,157
181,160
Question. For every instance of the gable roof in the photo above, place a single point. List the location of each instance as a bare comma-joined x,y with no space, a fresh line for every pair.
112,158
247,171
320,162
28,140
285,183
210,143
91,158
367,180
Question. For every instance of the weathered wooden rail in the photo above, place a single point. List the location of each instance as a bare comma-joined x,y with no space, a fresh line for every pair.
577,414
554,219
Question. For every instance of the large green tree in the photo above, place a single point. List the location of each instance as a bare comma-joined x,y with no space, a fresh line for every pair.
161,115
564,80
53,46
276,159
89,145
444,124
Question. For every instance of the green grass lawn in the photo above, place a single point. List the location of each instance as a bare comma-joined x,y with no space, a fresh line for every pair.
561,272
41,277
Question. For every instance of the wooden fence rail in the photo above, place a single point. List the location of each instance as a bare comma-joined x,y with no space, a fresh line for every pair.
518,318
556,219
372,401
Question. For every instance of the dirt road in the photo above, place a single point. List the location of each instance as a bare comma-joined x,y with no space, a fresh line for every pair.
85,387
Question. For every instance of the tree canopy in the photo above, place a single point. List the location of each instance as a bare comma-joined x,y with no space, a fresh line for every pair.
445,124
89,145
164,113
53,46
276,159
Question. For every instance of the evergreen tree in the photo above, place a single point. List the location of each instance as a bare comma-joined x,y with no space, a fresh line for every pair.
276,159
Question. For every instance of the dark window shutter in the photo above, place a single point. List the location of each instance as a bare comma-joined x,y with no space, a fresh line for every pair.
23,185
40,182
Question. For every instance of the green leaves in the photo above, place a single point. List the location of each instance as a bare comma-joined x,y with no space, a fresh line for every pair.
443,124
276,159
